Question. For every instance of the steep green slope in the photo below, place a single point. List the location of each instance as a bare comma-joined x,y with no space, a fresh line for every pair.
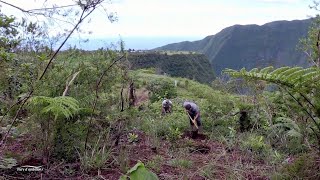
251,45
204,95
192,66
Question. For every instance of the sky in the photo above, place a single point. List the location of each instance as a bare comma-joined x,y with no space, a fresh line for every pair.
146,24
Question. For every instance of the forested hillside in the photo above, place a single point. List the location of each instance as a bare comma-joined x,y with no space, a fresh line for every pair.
188,65
251,46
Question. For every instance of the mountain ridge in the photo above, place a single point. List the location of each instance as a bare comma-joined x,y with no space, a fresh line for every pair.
250,46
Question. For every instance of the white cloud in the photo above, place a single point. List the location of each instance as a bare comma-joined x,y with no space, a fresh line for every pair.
186,17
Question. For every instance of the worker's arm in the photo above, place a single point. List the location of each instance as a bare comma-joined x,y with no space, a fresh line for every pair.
193,120
197,115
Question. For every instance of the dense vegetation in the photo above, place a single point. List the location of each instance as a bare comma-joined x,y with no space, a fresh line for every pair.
192,66
250,46
88,115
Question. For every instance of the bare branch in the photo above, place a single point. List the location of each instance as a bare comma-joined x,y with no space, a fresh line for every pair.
68,84
13,6
82,17
52,8
38,11
318,46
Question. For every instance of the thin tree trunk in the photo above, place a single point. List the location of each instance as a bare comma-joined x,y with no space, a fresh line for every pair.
132,98
122,100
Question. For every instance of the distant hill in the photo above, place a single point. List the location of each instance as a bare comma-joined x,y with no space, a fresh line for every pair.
178,64
251,46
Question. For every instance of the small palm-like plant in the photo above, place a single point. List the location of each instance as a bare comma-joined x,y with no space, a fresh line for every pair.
132,137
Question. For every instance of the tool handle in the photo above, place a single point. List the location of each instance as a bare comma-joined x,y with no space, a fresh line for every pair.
194,122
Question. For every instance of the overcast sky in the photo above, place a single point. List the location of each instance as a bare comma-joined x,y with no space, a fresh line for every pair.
151,23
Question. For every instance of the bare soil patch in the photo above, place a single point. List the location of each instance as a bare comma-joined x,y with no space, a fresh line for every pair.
203,153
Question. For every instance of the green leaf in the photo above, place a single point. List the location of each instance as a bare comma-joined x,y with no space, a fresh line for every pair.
139,172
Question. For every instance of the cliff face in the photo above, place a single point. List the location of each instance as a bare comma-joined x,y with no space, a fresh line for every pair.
192,66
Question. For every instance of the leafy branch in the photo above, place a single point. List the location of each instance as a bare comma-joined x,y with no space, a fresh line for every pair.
98,83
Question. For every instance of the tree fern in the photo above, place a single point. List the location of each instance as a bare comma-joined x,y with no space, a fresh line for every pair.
62,106
294,79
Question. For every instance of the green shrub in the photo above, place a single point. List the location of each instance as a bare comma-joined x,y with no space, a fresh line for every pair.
173,134
66,139
304,167
159,126
123,160
161,89
182,163
58,121
155,163
287,136
96,155
148,70
209,171
257,145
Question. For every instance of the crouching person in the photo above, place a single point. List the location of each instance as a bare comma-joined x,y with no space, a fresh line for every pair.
166,106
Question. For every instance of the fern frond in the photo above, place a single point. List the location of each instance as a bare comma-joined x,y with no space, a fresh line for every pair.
264,72
288,72
312,77
64,106
293,133
297,78
297,72
278,71
266,69
254,70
